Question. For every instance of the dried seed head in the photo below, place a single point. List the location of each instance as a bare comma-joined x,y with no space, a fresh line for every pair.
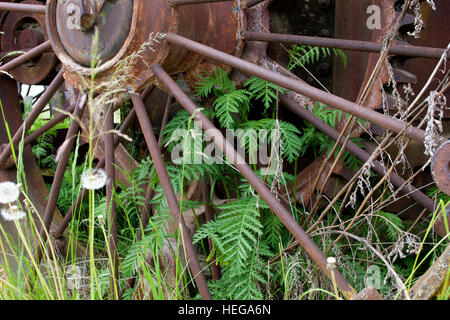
331,260
9,192
12,213
331,263
94,179
101,220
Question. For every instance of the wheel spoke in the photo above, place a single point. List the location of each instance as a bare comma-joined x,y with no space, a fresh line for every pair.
169,193
60,117
76,204
34,114
299,87
150,193
286,218
176,3
110,203
22,7
62,159
353,45
364,156
27,56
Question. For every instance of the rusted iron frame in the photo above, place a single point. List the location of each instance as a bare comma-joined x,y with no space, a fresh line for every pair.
286,218
299,87
361,154
22,7
126,124
34,114
176,3
59,174
209,216
110,203
27,56
169,193
352,45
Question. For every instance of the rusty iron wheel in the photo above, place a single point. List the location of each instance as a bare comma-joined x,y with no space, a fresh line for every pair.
57,38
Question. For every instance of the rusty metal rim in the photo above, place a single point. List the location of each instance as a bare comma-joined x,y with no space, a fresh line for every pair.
70,63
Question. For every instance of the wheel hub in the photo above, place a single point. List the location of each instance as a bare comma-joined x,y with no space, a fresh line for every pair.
113,23
124,26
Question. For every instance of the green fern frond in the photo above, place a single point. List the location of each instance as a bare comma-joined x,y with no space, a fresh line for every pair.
303,55
263,90
291,142
236,101
219,83
392,223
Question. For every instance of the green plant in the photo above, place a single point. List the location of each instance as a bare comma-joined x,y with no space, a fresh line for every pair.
304,55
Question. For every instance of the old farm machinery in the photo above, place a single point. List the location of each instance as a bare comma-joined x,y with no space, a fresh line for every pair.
65,44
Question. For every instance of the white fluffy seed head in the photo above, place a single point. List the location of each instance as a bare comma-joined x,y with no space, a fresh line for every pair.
9,192
101,219
12,213
94,179
331,260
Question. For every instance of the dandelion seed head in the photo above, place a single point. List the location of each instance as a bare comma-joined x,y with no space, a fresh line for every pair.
101,219
94,179
13,213
9,192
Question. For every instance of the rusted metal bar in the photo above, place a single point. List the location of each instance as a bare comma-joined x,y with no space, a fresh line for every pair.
27,56
176,3
250,3
110,203
353,45
299,87
62,160
22,7
169,193
150,193
50,124
35,111
209,216
286,218
126,124
145,212
361,154
420,197
40,131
